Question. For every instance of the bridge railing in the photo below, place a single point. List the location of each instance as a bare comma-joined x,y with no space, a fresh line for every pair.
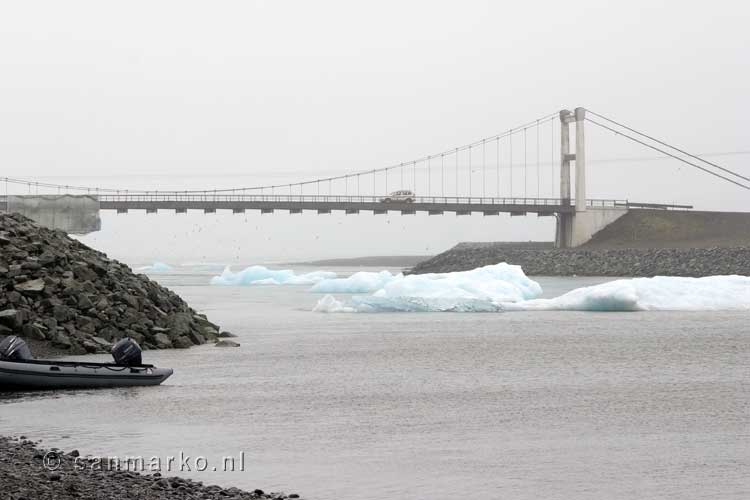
291,198
209,197
606,203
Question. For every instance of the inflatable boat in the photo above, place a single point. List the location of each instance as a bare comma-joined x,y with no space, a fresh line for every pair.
19,370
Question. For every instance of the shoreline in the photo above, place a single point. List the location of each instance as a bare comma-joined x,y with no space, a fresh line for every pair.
29,471
582,261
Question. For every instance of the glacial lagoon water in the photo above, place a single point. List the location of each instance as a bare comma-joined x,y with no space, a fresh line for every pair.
517,405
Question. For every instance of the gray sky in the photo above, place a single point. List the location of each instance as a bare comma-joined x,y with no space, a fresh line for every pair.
159,94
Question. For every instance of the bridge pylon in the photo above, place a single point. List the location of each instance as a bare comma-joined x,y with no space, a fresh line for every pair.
577,227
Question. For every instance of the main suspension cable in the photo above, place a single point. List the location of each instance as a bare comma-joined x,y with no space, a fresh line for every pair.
669,146
668,154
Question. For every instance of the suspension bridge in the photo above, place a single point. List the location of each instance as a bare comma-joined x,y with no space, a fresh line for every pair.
528,169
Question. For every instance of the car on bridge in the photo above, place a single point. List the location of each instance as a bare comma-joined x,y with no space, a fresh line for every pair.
403,195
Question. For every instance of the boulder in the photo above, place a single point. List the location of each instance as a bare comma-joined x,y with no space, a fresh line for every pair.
226,343
91,347
210,332
31,265
47,258
162,341
62,340
101,343
50,302
179,324
31,287
196,338
183,343
84,302
62,313
109,333
82,272
33,332
13,318
14,297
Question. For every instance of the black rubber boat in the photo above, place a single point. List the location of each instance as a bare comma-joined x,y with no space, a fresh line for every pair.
19,370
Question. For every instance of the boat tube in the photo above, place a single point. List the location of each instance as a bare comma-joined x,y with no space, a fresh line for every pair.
19,370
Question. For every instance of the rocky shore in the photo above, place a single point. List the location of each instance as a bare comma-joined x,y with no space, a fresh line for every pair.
24,476
541,260
64,297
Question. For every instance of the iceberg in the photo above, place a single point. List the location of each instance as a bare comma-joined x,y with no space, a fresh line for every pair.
484,289
361,282
661,293
260,275
329,304
504,287
372,304
496,283
156,267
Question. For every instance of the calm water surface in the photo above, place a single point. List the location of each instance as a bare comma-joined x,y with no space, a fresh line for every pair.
526,405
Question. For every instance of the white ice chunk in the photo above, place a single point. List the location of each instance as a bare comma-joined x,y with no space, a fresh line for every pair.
372,304
503,287
260,275
156,267
479,290
660,293
361,282
496,283
329,304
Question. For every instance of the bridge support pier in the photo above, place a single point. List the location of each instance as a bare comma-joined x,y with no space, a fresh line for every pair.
72,214
576,227
564,219
564,230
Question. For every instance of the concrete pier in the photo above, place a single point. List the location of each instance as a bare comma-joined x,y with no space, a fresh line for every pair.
74,214
577,227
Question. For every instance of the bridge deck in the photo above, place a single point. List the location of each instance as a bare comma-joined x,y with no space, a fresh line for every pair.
350,204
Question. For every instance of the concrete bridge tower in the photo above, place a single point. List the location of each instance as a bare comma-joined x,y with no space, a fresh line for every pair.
576,228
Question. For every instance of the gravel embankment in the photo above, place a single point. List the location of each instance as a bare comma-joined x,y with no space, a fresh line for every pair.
24,476
66,298
540,261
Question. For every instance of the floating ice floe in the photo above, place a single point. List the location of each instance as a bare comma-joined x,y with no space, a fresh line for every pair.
156,267
482,289
661,293
404,304
361,282
260,275
505,288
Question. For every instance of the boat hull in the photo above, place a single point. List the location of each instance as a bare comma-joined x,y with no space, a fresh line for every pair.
51,375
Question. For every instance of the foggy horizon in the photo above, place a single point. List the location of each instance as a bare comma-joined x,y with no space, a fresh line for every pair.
178,95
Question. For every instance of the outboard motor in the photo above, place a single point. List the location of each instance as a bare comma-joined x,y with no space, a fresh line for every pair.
13,348
127,352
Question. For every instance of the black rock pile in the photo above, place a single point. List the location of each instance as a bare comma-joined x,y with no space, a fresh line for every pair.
56,290
536,261
30,473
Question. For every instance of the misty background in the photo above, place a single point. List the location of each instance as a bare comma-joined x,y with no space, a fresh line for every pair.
185,94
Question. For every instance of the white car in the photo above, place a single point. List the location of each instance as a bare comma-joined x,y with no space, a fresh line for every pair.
403,195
